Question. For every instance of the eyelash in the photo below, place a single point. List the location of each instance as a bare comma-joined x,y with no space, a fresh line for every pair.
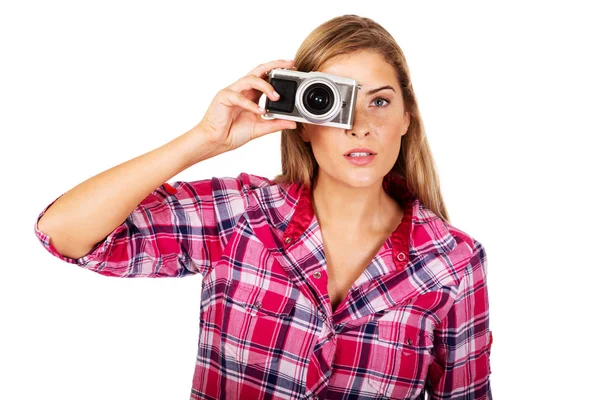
384,99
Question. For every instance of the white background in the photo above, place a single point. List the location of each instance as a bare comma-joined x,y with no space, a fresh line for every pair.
509,97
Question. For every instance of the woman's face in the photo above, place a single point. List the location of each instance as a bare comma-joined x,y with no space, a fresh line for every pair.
380,121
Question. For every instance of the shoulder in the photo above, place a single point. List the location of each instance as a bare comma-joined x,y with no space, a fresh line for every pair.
473,250
256,190
439,230
222,186
241,189
461,236
434,235
244,182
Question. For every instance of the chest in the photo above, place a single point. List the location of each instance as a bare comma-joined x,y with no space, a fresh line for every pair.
346,260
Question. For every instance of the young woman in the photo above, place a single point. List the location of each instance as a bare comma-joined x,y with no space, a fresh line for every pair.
335,279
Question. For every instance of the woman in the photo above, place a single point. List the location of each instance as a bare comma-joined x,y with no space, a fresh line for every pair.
333,280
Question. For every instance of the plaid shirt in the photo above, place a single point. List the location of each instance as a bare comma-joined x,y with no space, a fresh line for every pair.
416,320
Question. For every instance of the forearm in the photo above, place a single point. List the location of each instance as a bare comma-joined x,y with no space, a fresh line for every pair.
86,214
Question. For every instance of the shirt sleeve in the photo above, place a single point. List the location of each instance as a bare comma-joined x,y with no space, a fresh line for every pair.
463,340
176,231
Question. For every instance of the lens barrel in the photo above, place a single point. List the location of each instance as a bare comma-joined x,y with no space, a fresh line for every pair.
318,98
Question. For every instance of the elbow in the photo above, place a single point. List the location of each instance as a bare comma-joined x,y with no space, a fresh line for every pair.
63,243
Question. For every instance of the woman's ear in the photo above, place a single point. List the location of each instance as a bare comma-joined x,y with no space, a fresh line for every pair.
406,122
303,133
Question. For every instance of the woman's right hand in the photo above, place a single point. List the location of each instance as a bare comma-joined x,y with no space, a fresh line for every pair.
234,117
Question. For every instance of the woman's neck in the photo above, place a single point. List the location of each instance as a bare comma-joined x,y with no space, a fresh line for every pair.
347,209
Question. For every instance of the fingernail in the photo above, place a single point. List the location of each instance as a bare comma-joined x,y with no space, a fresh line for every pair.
275,94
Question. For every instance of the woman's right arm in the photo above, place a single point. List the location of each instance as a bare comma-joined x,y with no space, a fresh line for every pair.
84,216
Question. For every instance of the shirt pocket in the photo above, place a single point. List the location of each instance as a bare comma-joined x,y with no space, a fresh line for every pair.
257,324
405,351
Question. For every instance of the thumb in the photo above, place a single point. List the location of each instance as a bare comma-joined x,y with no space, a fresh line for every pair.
273,125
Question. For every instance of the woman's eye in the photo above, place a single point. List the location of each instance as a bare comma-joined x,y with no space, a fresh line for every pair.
378,102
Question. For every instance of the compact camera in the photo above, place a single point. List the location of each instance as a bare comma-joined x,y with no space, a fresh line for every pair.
312,97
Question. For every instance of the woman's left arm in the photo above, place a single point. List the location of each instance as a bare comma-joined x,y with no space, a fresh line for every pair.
463,340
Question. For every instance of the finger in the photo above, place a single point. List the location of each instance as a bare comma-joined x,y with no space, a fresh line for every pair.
254,82
265,126
230,98
262,69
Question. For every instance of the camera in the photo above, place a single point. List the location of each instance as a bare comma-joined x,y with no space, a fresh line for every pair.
312,97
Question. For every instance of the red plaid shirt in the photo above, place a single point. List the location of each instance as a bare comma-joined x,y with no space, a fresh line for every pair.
416,321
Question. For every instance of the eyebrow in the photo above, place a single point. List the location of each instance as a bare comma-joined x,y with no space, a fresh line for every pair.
370,92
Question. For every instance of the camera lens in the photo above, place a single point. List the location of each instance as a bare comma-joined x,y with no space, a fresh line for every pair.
318,98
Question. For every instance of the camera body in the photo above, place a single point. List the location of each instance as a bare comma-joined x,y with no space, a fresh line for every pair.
312,97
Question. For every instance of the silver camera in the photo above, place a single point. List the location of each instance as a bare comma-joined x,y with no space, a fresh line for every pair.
312,97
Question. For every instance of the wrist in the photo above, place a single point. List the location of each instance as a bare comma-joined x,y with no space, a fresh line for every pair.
196,145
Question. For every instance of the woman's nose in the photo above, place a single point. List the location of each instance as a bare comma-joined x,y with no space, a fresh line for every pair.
360,125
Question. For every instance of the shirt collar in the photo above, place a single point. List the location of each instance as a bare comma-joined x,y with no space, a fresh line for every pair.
420,231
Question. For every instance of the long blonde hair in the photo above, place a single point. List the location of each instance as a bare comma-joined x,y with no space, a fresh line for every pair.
343,35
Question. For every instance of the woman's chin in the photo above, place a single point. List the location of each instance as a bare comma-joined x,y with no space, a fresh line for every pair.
363,178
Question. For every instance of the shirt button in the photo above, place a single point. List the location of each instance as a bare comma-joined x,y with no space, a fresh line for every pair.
317,275
409,342
258,304
288,240
400,256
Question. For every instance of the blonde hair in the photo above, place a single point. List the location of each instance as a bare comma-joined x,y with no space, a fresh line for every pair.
343,35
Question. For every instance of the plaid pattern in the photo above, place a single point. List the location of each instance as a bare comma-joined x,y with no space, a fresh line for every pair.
415,322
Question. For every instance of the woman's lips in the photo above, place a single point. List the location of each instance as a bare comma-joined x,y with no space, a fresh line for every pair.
363,160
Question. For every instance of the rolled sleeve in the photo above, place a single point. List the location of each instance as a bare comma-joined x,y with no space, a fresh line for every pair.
461,366
97,251
176,231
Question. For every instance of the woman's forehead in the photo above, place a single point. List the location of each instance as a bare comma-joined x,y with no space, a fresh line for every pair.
368,69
